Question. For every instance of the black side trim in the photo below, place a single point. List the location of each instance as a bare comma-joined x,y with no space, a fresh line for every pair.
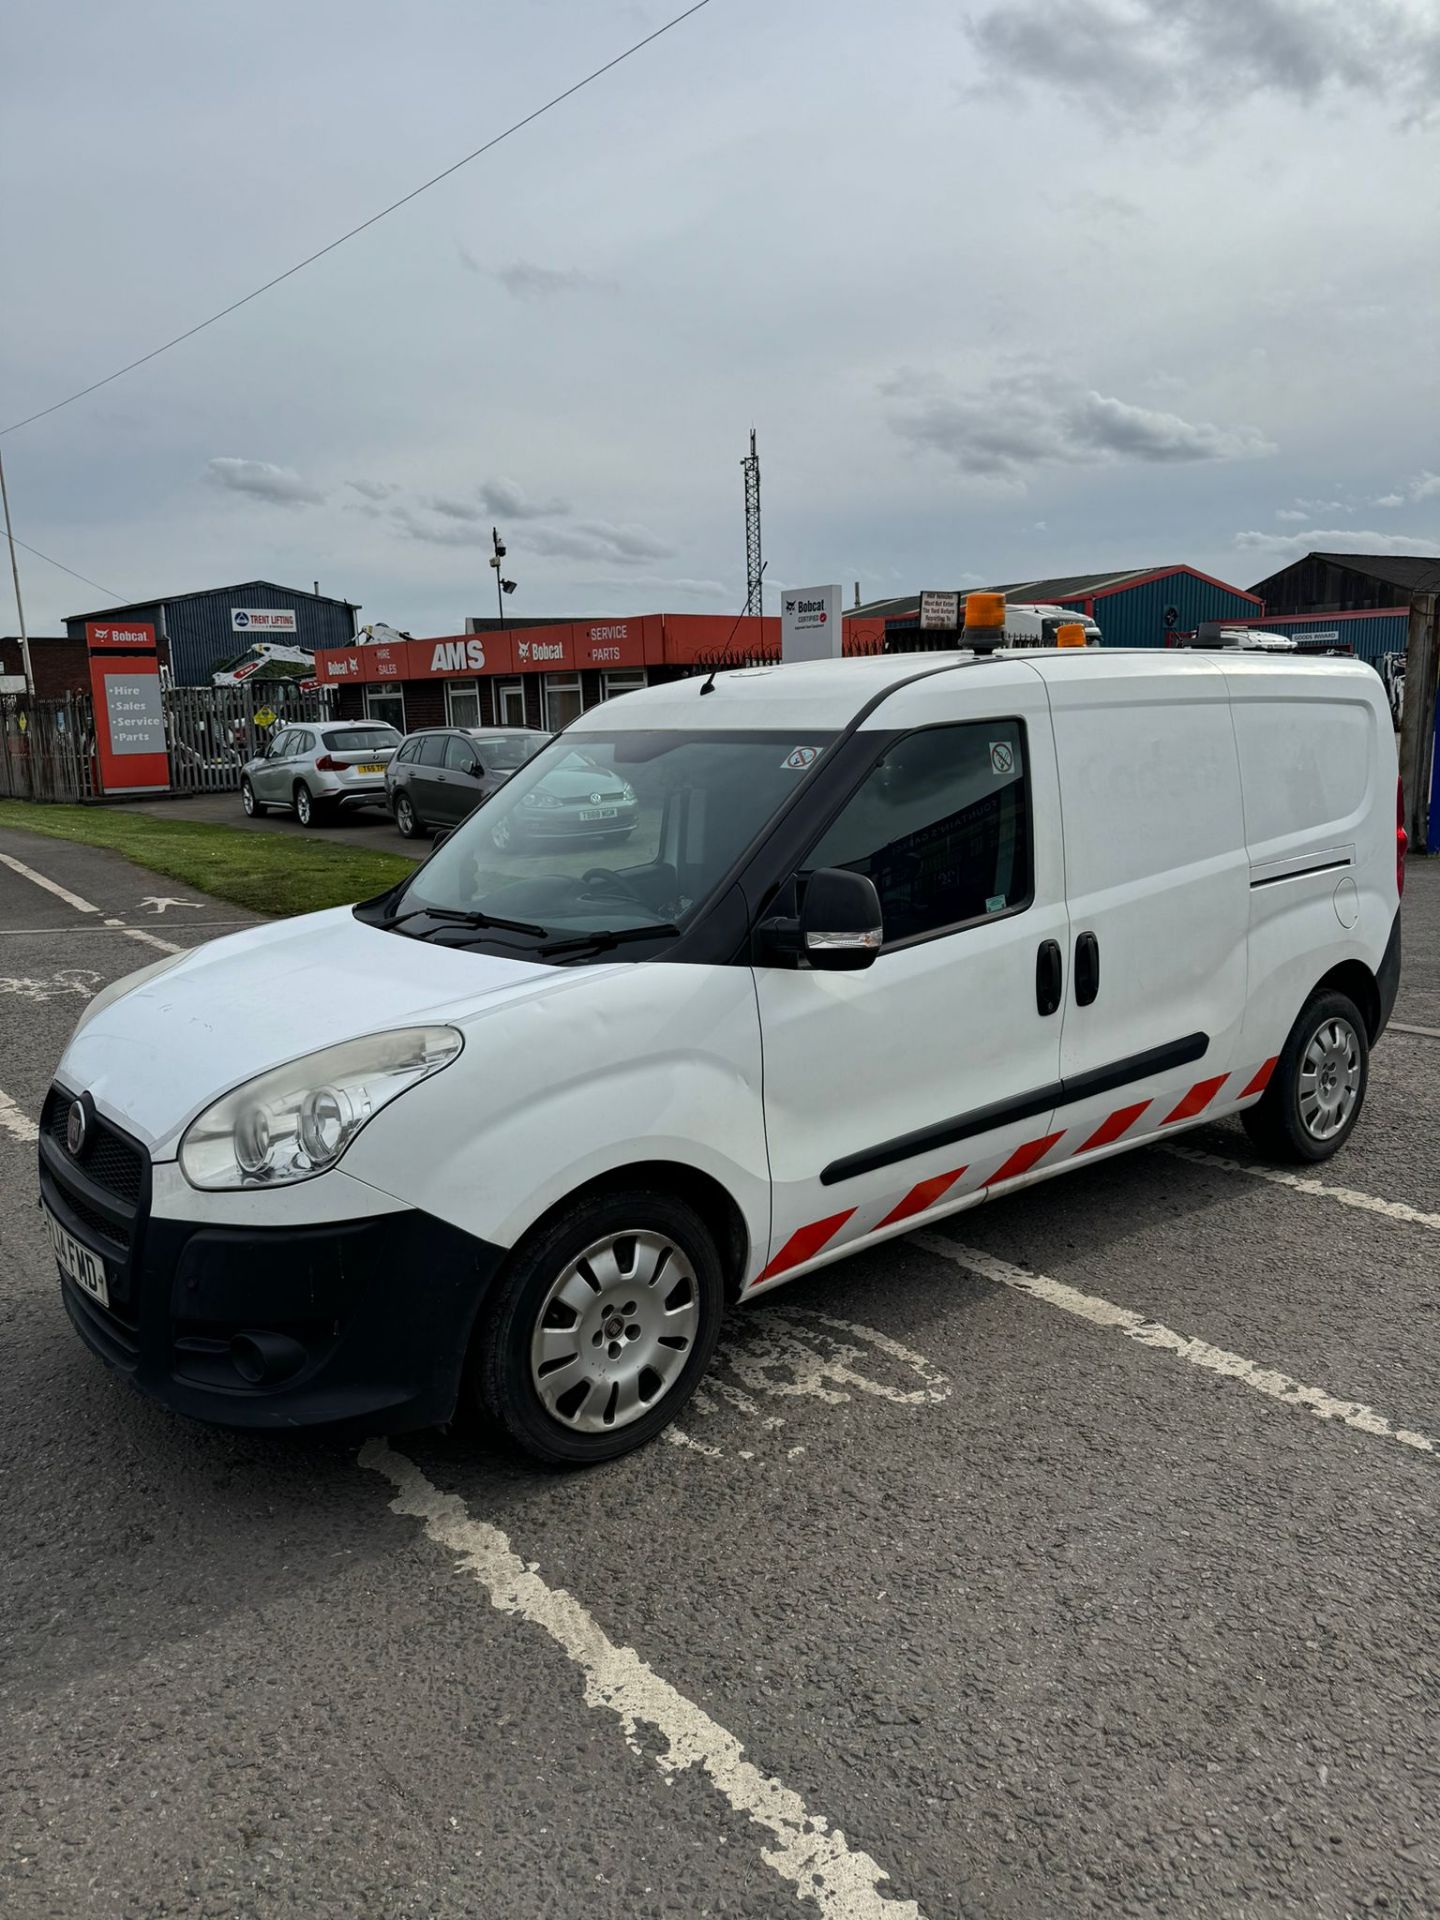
1300,873
1388,978
1026,1106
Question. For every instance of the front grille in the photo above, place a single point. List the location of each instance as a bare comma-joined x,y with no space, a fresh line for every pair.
109,1160
111,1235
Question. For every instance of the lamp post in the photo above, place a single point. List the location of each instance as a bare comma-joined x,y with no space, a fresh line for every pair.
502,586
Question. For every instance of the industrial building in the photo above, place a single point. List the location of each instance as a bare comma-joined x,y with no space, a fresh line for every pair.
1362,600
205,629
1133,606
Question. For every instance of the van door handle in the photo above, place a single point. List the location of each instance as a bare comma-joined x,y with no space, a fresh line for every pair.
1047,976
1087,969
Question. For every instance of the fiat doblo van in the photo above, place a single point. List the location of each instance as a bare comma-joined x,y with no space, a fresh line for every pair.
885,938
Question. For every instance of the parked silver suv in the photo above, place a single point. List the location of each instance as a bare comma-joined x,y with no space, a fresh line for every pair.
319,768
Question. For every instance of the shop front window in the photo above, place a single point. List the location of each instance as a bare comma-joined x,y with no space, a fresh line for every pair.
562,701
616,683
509,703
387,706
462,702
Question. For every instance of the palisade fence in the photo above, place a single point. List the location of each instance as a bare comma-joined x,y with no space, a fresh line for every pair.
212,731
47,747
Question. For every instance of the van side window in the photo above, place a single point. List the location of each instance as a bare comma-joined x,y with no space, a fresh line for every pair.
942,826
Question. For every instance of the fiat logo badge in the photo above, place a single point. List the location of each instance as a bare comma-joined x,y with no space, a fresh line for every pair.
75,1129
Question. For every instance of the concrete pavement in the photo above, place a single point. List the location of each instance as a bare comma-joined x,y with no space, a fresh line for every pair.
1072,1559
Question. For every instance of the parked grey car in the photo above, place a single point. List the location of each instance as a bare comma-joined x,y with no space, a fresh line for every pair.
320,768
443,773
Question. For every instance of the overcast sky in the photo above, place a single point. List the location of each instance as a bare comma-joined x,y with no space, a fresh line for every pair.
1037,286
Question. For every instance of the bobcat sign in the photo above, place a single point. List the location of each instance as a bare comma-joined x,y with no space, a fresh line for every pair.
810,624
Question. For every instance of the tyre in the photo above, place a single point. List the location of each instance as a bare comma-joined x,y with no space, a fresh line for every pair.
254,809
600,1326
1317,1090
307,807
407,821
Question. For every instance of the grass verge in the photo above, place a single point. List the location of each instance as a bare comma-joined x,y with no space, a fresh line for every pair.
269,872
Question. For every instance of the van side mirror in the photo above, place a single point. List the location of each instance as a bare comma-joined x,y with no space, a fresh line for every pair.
842,928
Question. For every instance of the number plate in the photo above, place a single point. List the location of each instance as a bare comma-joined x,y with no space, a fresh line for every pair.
372,766
598,813
86,1269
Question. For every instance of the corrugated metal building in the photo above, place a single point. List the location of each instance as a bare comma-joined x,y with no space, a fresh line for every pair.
1348,582
1132,606
1370,635
209,627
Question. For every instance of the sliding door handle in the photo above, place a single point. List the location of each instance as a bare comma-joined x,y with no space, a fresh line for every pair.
1087,969
1047,976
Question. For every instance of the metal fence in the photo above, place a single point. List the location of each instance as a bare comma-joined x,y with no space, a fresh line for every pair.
47,748
213,731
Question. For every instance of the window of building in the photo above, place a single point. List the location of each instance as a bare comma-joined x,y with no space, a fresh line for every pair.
382,703
617,683
562,701
942,826
462,703
510,703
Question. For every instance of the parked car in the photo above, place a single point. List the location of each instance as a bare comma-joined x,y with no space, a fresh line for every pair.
517,1133
579,799
441,774
320,768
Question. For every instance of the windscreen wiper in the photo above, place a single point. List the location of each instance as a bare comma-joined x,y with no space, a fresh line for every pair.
609,937
459,917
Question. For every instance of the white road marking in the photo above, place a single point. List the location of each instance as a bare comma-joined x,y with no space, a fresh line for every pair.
813,1856
1152,1333
50,886
158,903
154,940
1306,1183
17,1124
73,980
110,926
784,1355
1427,1033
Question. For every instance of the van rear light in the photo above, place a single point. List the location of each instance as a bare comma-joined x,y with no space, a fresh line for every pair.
1402,839
326,765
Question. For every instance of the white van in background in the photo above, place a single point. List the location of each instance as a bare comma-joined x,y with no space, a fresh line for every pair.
1037,625
889,936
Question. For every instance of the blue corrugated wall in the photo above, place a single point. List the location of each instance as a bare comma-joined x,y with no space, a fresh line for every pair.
1135,616
1370,635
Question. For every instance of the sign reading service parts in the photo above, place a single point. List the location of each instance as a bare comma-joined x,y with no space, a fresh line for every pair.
262,619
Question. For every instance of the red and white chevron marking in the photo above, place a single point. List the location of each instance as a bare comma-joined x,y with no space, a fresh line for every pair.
1051,1148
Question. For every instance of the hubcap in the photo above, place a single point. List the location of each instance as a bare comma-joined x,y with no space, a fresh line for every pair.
615,1331
1329,1078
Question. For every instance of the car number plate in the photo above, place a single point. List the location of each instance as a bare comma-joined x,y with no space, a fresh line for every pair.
372,766
86,1269
598,813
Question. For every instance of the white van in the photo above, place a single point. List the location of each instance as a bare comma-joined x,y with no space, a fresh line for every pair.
887,937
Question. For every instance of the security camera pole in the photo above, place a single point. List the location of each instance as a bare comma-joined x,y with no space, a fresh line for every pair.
25,667
502,587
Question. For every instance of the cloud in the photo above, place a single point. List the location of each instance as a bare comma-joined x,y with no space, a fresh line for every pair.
1380,500
598,540
373,489
503,497
1291,513
659,583
438,533
1140,58
1423,486
525,281
1329,540
1027,418
259,480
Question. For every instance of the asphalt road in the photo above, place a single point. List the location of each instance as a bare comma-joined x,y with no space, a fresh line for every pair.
1075,1558
369,827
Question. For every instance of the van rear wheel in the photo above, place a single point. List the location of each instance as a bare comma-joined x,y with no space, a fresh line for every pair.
1313,1101
600,1328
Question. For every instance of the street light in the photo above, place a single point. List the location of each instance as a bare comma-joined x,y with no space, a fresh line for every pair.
502,586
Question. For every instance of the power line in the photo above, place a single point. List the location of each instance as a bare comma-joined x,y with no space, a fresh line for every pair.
394,206
114,595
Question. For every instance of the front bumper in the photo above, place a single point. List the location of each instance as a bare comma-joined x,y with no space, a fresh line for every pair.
370,1319
563,825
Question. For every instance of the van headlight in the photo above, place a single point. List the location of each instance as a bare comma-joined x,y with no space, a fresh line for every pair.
297,1120
127,983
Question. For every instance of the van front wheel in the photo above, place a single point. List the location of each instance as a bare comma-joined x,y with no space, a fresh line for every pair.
600,1328
1313,1101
